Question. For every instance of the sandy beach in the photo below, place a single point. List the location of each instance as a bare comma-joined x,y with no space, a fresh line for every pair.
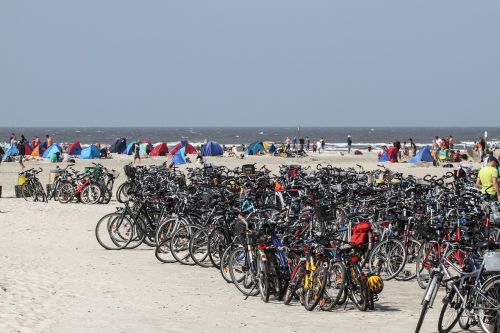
55,277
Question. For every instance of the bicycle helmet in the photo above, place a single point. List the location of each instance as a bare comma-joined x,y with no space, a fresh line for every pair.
375,284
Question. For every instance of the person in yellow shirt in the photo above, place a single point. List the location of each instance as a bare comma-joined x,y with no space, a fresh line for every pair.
487,179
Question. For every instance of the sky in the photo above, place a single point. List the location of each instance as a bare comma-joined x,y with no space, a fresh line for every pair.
249,63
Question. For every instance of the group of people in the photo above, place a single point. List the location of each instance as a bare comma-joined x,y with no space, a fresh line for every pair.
20,144
304,145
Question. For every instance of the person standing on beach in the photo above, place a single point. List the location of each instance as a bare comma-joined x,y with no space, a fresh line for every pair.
48,141
308,143
137,155
450,142
287,142
294,143
301,144
12,139
413,147
487,180
349,144
322,144
21,150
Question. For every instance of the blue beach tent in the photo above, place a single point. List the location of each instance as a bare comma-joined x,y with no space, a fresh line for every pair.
384,157
180,157
130,148
272,149
212,148
254,148
119,146
424,155
90,153
11,152
55,148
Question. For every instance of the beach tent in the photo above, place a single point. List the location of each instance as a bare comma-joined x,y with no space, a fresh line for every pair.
424,155
130,148
145,148
272,148
266,145
75,148
183,144
160,149
38,151
212,148
180,156
119,146
90,153
383,157
55,148
254,148
11,152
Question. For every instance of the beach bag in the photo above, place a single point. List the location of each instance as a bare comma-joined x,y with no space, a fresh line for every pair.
361,235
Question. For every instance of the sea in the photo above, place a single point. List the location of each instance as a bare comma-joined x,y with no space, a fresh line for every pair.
335,137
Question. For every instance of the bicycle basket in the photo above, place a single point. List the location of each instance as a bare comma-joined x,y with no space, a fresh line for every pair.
248,169
492,261
129,171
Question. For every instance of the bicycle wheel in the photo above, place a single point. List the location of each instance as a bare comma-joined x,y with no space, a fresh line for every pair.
423,312
139,234
276,282
122,192
427,255
295,282
90,194
488,305
65,192
114,231
27,191
334,286
179,244
357,291
263,278
39,192
408,272
224,264
217,244
314,293
166,229
198,248
163,253
450,312
241,273
387,259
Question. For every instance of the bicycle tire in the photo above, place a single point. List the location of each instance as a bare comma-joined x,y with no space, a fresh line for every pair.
450,303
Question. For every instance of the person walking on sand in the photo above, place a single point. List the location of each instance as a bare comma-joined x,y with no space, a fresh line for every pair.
349,144
308,143
137,155
322,143
21,150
